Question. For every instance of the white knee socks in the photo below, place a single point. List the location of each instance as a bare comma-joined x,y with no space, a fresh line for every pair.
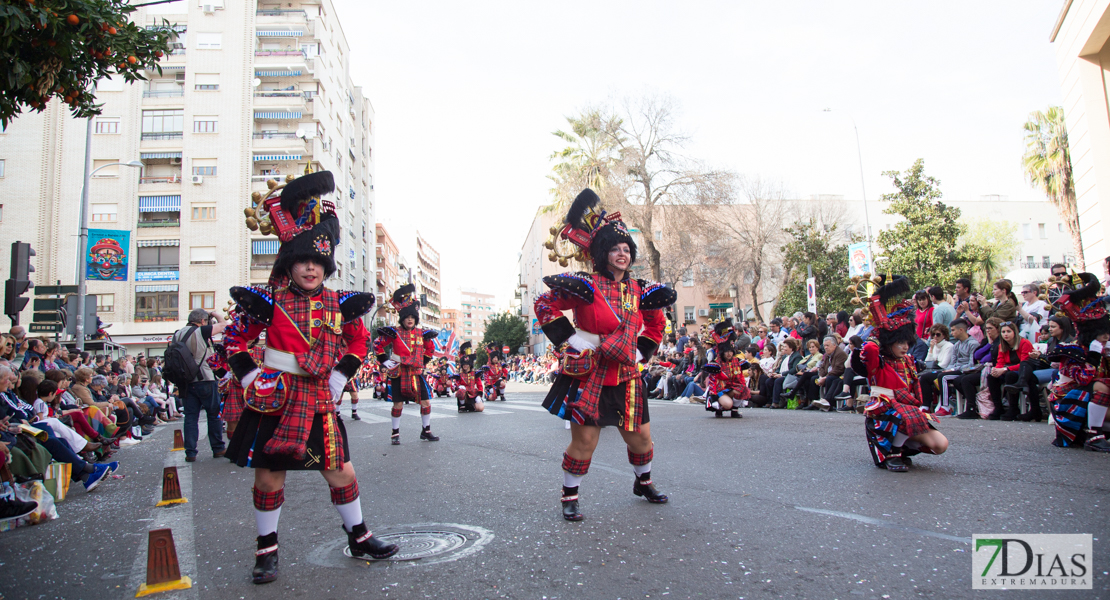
425,420
396,422
266,520
900,439
351,513
641,469
571,481
1096,415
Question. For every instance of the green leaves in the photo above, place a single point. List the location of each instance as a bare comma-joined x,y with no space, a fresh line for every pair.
813,246
60,49
506,329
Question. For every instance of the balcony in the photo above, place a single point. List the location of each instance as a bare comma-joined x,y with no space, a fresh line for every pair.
163,135
275,15
1036,264
286,53
164,93
161,180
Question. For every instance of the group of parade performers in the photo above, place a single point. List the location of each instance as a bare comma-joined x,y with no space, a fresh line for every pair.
293,346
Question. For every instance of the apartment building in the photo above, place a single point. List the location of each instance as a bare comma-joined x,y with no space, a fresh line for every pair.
533,265
252,91
451,320
387,274
475,310
427,282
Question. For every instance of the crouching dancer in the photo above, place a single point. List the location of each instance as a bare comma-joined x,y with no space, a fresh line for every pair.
315,342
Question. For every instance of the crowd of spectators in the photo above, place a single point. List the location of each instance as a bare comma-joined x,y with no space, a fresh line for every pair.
73,407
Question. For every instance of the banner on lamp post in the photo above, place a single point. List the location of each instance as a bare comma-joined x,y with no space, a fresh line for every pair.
859,259
811,295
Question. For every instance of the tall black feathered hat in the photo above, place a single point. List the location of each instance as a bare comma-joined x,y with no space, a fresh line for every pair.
405,303
466,355
890,312
303,220
1086,308
493,350
724,337
593,230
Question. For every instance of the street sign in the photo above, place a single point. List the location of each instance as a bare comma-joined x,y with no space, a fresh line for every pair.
51,290
47,316
50,304
46,327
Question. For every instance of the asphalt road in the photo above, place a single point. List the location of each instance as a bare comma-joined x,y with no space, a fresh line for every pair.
780,504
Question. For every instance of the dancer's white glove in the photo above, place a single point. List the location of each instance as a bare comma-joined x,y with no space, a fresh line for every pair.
580,343
336,383
390,364
639,355
249,378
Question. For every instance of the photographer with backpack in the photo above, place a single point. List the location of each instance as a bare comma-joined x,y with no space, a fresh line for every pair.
187,368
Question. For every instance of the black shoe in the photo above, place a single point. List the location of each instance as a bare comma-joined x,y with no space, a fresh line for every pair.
265,559
191,458
996,415
1096,442
14,509
718,414
1006,416
355,417
968,414
1033,415
426,435
896,464
736,414
395,438
219,453
570,504
362,544
644,487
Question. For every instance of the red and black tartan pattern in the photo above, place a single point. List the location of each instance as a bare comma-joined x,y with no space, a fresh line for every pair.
1100,399
618,348
729,381
639,460
307,397
575,467
330,346
267,501
344,495
907,371
426,410
412,384
231,391
395,412
492,378
471,383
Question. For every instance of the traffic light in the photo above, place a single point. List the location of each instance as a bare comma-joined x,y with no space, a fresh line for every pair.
20,281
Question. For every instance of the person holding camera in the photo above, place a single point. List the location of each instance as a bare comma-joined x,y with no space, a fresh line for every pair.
202,393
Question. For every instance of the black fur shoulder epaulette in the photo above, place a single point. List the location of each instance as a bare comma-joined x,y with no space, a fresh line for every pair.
430,334
388,332
711,368
255,301
577,284
656,295
355,304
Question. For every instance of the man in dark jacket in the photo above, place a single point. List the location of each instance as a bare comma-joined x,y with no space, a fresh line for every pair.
830,374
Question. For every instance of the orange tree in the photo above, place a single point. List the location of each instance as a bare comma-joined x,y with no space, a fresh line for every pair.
61,48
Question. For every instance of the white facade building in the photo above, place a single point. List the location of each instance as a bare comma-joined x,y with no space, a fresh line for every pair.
254,91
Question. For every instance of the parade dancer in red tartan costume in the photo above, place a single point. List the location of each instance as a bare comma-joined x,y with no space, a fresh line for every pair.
494,374
315,343
896,428
404,352
618,321
1081,393
726,387
468,387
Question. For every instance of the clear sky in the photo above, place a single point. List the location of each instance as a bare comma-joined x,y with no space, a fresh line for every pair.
467,94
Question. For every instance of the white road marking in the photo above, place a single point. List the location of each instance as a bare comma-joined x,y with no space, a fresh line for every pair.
882,523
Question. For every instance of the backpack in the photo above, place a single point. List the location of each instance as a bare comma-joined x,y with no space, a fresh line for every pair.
181,367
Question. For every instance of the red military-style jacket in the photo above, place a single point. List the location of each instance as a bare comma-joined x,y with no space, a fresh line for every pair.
731,376
470,381
493,376
411,348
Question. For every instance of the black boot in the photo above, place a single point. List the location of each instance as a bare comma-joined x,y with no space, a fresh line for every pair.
1096,441
426,435
354,415
1011,394
265,559
644,487
570,504
1034,413
895,463
362,544
395,438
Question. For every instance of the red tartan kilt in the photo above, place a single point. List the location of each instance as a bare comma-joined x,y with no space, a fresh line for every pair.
232,394
914,422
255,429
303,389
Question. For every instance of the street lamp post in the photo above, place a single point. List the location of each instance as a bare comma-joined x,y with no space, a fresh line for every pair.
863,188
83,237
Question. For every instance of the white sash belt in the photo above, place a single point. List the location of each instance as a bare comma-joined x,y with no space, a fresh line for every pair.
283,361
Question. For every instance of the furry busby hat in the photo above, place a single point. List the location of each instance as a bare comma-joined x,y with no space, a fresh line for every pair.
305,223
891,313
1086,309
405,303
595,231
724,337
316,245
494,351
466,355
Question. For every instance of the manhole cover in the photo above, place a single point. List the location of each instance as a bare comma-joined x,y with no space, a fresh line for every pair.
423,544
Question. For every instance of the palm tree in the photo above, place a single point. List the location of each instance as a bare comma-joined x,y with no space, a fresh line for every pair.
593,148
1047,164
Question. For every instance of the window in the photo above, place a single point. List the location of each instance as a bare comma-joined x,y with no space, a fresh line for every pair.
688,278
107,124
163,124
658,235
205,300
204,166
209,41
206,124
1027,231
105,303
204,213
105,170
1042,231
2,165
158,258
104,212
688,314
1029,263
156,306
202,255
206,82
1046,262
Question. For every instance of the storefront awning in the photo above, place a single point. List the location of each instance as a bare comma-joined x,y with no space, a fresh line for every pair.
154,243
278,115
153,155
273,157
264,247
160,203
170,68
147,289
277,73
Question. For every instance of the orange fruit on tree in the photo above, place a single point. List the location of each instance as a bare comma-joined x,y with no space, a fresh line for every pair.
73,20
112,30
132,59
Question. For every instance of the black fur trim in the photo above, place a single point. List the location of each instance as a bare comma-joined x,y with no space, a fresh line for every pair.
722,327
305,247
888,337
559,330
412,310
1090,329
388,332
241,364
1088,291
858,366
256,302
355,304
711,368
427,359
577,285
898,286
657,297
646,346
430,334
583,202
348,365
304,187
405,290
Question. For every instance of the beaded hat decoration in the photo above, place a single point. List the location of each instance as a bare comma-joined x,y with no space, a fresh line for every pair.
585,222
